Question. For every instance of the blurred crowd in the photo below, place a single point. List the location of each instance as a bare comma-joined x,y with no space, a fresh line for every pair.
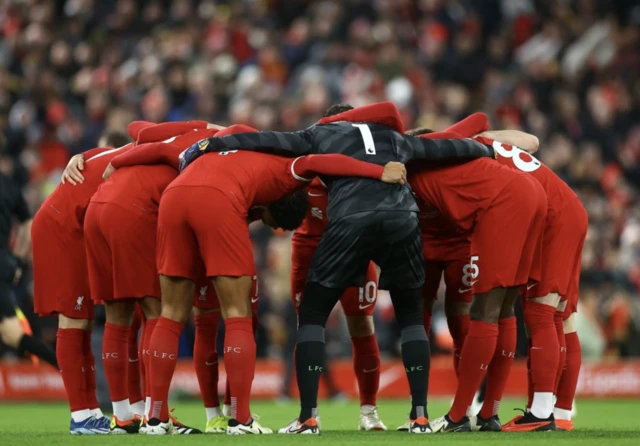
566,70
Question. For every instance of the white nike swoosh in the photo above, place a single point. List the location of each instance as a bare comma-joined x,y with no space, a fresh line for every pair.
463,290
362,307
253,301
134,360
369,371
531,286
315,195
210,363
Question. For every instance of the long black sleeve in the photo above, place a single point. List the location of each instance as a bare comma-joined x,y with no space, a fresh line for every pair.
447,149
280,143
20,208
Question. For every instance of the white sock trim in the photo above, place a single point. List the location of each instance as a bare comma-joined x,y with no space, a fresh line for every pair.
227,411
213,412
81,415
542,405
138,408
122,409
562,414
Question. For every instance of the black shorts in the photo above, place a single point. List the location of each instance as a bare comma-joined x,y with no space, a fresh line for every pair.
8,266
390,238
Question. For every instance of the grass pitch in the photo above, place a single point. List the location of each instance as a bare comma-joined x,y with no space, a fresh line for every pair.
598,421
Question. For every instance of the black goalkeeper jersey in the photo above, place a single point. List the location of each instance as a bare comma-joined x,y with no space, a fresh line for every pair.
374,143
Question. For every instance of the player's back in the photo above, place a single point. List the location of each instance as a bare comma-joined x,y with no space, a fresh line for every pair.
137,188
68,203
460,191
247,178
434,226
558,192
373,143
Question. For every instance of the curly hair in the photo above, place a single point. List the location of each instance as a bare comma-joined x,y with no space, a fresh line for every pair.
289,211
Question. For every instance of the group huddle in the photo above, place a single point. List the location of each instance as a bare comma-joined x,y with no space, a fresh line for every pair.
159,228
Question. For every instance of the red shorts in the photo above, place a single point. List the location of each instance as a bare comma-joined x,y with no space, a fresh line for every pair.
562,241
355,301
60,277
449,256
205,297
121,247
506,243
202,223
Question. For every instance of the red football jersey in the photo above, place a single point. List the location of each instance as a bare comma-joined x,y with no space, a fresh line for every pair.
68,203
141,186
558,192
459,192
247,178
434,225
138,187
316,220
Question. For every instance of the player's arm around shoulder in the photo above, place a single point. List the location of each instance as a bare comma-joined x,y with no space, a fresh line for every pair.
307,167
428,148
525,141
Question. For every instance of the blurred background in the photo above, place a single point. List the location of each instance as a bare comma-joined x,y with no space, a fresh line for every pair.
566,70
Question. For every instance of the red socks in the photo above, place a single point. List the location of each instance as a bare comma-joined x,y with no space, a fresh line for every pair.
559,322
163,352
205,357
240,359
227,393
115,359
477,352
141,368
500,367
544,351
90,371
529,380
133,369
366,363
70,356
147,331
227,389
569,379
458,327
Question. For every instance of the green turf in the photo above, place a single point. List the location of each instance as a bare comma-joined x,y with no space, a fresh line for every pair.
598,421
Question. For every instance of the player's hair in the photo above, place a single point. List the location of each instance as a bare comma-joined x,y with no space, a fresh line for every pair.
115,139
289,211
336,109
419,131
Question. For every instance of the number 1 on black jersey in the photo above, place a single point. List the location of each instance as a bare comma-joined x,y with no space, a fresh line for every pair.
367,137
